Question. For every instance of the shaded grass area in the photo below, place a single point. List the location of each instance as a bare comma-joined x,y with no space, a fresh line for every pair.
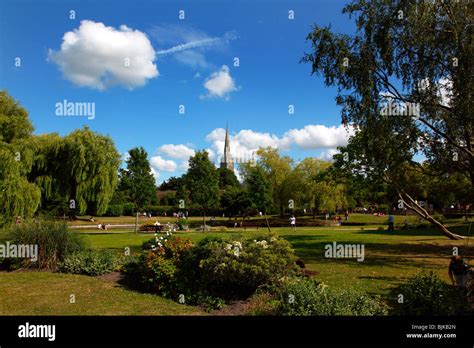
44,293
390,258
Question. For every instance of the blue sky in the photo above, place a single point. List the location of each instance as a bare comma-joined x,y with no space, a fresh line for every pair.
175,62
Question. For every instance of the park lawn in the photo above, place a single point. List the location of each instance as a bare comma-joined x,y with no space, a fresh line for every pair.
45,293
390,258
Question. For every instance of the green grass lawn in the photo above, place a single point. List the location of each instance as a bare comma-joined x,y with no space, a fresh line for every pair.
44,293
390,258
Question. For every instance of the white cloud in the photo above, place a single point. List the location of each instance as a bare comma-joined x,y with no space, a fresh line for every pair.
179,151
245,143
96,56
220,84
183,166
327,155
159,163
445,91
189,44
444,88
318,136
155,174
124,156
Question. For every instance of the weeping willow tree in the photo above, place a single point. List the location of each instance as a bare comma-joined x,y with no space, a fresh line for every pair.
81,168
18,197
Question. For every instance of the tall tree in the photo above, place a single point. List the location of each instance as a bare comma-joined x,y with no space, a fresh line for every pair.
319,190
235,201
18,196
137,181
227,178
405,84
81,167
277,170
202,181
258,188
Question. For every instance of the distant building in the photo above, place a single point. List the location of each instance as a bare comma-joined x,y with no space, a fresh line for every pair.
226,161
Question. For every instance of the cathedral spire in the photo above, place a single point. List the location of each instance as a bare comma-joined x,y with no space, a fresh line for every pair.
227,161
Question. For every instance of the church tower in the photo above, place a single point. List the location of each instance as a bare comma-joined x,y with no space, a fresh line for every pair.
227,161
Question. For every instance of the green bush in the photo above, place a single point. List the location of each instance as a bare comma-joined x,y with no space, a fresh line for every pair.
114,210
305,297
213,271
156,267
235,269
128,209
182,224
54,241
90,262
427,294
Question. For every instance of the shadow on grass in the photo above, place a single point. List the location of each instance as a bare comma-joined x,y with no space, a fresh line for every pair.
425,231
402,232
377,254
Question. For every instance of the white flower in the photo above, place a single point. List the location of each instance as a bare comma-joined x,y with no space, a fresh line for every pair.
238,244
160,245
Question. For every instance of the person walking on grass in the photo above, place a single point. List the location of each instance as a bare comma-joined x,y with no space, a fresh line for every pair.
293,222
458,271
391,220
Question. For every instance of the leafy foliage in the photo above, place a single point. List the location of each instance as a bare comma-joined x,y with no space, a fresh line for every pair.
305,297
54,241
137,182
426,294
213,270
90,262
202,181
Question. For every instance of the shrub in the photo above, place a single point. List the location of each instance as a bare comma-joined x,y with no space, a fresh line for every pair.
210,272
182,224
90,262
10,264
114,210
54,241
156,267
235,269
305,297
128,209
427,294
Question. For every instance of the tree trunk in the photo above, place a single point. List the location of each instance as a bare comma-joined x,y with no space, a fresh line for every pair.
266,220
136,222
203,221
425,215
